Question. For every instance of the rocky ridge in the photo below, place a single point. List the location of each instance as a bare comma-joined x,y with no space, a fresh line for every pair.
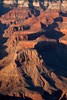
38,3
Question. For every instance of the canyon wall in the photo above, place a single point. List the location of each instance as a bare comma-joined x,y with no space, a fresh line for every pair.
37,3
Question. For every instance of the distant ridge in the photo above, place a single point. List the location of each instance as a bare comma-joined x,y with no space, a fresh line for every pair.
26,3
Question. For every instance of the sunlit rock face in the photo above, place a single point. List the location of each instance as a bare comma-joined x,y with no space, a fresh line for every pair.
9,1
37,3
33,52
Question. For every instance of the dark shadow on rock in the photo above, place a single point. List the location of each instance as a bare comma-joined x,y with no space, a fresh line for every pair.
58,19
34,11
31,4
26,27
3,40
28,79
29,15
64,14
6,97
41,2
43,26
1,67
45,95
35,35
36,89
50,31
54,56
49,80
16,3
53,34
3,9
64,97
54,96
43,46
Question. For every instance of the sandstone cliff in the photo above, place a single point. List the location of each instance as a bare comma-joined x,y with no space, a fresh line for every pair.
42,4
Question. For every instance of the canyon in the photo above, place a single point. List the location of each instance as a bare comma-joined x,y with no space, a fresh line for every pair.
33,53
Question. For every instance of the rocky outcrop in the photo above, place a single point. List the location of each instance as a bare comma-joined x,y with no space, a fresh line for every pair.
23,71
42,4
27,73
36,62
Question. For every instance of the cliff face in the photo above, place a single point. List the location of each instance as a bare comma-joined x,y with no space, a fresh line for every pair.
9,1
33,61
38,3
33,53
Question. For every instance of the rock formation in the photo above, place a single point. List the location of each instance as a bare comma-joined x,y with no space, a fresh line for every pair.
35,67
36,3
